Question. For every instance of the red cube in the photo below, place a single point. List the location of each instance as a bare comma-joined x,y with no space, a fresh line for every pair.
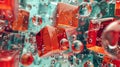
8,9
95,30
117,8
9,58
67,14
21,24
109,60
65,32
47,40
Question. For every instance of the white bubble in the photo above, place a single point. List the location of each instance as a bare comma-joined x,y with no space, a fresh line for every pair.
64,44
77,46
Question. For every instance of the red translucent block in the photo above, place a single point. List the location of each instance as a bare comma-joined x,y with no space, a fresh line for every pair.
116,62
47,40
65,32
67,14
109,60
8,9
95,30
61,33
9,58
21,24
117,8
